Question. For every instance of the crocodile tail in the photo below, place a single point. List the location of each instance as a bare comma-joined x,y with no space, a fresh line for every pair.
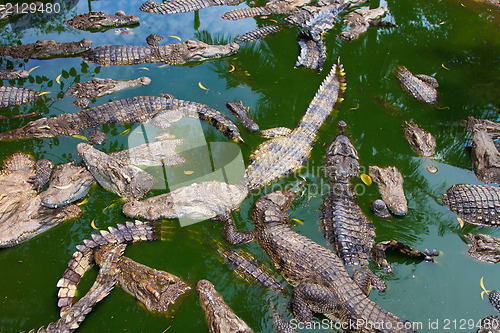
258,33
83,258
176,6
242,13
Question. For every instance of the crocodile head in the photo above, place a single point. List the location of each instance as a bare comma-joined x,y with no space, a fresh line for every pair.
271,209
199,51
390,186
423,142
68,184
341,160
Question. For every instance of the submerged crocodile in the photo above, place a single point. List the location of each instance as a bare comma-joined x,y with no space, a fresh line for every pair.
282,155
162,111
102,21
46,49
390,185
123,179
484,247
10,96
485,156
241,112
102,87
421,86
378,252
421,141
183,6
172,54
157,153
21,214
345,226
321,283
273,7
475,204
361,19
220,318
11,74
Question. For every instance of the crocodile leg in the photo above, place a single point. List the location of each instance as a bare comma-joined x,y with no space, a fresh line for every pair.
308,297
43,169
365,279
229,231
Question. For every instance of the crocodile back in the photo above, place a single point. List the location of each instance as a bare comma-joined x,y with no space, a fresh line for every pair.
120,55
10,96
176,6
258,33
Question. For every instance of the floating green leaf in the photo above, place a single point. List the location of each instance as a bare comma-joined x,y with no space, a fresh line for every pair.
65,74
72,71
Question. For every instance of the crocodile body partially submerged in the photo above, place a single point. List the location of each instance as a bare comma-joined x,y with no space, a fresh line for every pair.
172,54
11,74
158,153
485,156
10,96
421,141
347,229
219,316
321,283
282,155
475,204
99,21
484,247
241,112
390,185
361,19
421,86
273,7
46,49
183,6
102,87
165,110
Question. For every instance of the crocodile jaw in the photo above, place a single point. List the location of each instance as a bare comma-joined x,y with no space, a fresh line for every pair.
198,51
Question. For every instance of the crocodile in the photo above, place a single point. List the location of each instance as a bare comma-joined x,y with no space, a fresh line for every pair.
484,247
421,86
379,208
11,96
321,283
273,7
241,112
378,252
196,201
43,170
345,226
183,6
11,74
102,87
68,183
96,138
158,153
140,109
21,214
100,21
474,204
46,49
361,19
282,155
171,54
492,127
421,141
229,232
390,185
485,156
219,316
123,179
312,54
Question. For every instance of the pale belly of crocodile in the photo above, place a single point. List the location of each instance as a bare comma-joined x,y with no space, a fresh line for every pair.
121,55
300,260
347,229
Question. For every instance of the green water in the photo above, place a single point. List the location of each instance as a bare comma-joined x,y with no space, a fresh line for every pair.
457,42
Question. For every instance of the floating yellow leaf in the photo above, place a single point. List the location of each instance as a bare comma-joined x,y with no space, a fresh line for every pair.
298,221
164,65
232,69
442,65
79,137
145,68
83,202
188,172
180,40
44,93
92,224
33,69
108,207
58,79
126,131
273,20
482,293
481,283
442,22
201,86
462,4
460,222
366,179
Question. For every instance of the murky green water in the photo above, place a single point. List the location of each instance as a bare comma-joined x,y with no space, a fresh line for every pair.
458,43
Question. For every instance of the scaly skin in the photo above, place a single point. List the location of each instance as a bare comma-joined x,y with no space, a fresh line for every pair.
258,33
421,141
42,169
360,20
157,153
275,7
280,156
129,110
123,179
229,232
320,280
10,74
220,318
102,21
10,96
102,87
172,54
68,184
241,112
490,324
312,54
484,247
485,156
183,6
378,252
418,86
390,185
46,49
475,204
345,226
